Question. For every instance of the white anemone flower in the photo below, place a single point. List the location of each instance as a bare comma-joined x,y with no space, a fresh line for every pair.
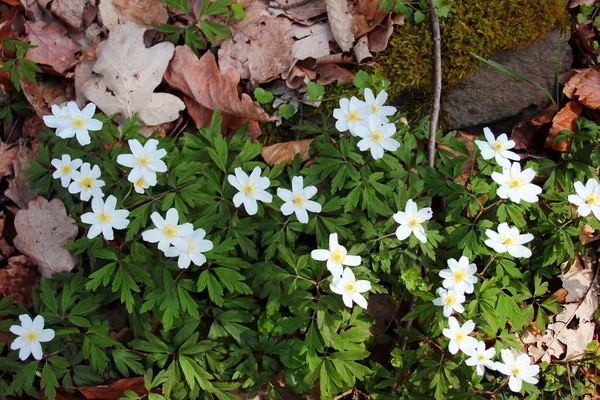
337,256
450,300
519,369
145,162
105,217
587,198
351,289
480,358
167,229
411,220
59,119
251,188
86,182
377,104
351,114
508,239
459,336
65,168
189,249
141,185
460,275
81,123
497,148
516,184
30,335
297,200
376,136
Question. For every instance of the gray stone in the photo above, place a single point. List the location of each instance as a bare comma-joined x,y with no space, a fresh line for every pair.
491,95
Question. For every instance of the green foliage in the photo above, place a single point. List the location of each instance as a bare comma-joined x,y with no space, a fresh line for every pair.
487,27
260,304
15,63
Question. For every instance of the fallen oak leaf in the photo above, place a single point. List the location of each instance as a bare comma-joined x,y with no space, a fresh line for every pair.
116,390
564,120
53,47
142,12
42,230
585,87
202,82
18,187
286,151
130,73
19,278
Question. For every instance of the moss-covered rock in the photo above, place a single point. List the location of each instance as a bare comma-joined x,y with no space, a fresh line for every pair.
482,27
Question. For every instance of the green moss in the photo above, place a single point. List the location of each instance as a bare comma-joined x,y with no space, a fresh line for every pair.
482,27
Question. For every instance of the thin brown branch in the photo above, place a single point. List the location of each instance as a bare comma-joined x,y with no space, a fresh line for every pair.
437,83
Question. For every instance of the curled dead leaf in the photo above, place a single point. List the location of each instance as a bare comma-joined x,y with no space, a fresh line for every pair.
564,120
341,22
531,135
286,151
585,87
42,230
115,391
7,155
203,83
586,234
18,187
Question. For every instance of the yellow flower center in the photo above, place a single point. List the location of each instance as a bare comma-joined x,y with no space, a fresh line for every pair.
377,136
78,122
481,357
375,108
249,189
299,200
66,169
338,256
191,246
170,231
31,336
498,146
593,199
516,371
350,287
508,240
450,300
353,116
516,182
460,336
413,222
87,182
144,160
140,182
63,115
104,217
459,276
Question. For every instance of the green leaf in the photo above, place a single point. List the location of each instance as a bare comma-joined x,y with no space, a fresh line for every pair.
315,90
213,29
238,11
261,95
49,382
419,16
286,111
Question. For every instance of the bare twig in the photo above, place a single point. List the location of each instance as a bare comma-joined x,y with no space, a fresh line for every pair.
437,84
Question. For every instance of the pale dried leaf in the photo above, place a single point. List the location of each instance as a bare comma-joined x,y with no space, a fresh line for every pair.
586,234
53,47
42,230
259,49
564,120
302,12
362,53
142,12
286,151
7,155
71,11
83,73
575,3
130,73
313,41
18,188
341,23
203,82
379,37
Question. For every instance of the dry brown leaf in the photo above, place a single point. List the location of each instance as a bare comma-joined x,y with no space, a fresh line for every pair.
5,249
19,277
129,74
299,77
259,49
585,87
142,12
531,135
35,97
83,73
575,3
328,73
70,11
313,41
201,80
42,230
379,37
468,138
300,13
18,188
341,22
286,151
115,391
366,15
53,47
586,234
564,120
8,152
362,53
